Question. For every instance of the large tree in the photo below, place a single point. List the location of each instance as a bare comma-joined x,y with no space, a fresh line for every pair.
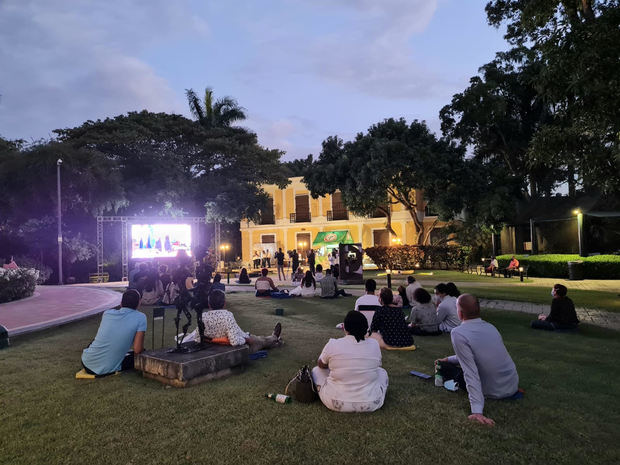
388,164
575,43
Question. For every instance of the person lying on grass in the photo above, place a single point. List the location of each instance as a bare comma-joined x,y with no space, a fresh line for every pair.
388,325
481,359
119,330
264,285
349,376
220,323
562,315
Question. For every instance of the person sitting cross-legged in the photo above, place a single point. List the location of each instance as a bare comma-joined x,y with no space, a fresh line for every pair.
217,283
487,369
264,285
307,287
244,278
369,298
329,287
349,376
120,329
220,323
388,325
412,285
562,314
423,318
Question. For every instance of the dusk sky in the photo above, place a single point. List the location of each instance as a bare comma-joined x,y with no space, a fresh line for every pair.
302,70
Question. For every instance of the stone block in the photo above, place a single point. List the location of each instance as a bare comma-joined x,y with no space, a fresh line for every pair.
188,369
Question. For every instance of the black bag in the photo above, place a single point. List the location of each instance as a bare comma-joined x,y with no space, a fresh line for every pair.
301,388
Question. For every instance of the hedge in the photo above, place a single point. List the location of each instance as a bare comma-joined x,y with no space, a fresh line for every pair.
17,284
409,257
556,266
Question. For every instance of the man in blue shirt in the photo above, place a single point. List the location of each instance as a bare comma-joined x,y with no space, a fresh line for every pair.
118,331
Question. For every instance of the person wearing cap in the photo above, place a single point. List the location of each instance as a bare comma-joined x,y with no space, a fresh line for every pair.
120,329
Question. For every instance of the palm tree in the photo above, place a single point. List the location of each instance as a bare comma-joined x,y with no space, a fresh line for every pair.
221,114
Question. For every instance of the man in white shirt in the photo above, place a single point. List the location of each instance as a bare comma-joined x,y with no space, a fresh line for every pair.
369,298
480,352
412,285
446,310
220,323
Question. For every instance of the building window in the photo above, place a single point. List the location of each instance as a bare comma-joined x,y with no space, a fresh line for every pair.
381,237
266,215
338,211
268,239
302,209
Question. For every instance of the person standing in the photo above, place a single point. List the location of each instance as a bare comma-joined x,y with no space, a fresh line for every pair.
268,258
312,260
256,260
294,262
280,265
487,369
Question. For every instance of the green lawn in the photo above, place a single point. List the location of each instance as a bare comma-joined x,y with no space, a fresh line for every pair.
569,414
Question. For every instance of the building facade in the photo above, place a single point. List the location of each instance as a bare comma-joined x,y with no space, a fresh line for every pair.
296,220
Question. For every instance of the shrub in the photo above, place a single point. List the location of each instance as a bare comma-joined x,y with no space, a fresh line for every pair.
17,284
408,257
556,266
44,271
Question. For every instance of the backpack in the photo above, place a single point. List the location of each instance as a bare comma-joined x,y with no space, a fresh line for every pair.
171,294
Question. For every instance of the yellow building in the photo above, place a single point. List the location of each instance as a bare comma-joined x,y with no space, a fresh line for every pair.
297,218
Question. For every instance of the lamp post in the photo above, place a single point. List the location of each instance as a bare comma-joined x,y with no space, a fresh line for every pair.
389,278
521,273
224,248
580,231
58,163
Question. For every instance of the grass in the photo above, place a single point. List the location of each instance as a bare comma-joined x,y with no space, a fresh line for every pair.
569,413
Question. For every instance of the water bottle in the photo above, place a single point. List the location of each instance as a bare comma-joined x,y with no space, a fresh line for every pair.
279,398
438,377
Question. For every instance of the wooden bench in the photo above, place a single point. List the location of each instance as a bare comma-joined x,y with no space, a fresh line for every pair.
96,278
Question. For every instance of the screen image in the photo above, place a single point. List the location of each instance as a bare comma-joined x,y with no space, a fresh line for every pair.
160,240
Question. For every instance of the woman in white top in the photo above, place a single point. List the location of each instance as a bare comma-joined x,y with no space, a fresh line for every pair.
349,376
307,288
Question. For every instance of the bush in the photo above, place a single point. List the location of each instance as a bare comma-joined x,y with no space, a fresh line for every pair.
44,271
17,284
556,266
409,257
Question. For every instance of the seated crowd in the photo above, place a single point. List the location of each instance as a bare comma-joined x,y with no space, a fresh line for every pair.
348,375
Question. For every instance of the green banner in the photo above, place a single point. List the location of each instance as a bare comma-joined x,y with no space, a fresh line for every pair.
332,238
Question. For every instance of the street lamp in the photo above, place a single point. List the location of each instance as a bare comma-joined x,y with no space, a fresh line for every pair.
58,163
389,278
224,248
580,231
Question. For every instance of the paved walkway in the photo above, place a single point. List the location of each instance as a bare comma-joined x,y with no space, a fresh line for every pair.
54,305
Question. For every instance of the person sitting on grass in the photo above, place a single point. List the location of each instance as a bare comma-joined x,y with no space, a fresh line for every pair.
329,287
243,277
220,323
120,329
217,283
264,285
388,325
402,292
446,309
307,288
423,318
562,314
481,360
412,285
349,377
319,272
369,298
298,275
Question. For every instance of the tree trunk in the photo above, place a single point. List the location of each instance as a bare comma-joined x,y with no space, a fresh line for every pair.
427,235
388,221
419,226
571,181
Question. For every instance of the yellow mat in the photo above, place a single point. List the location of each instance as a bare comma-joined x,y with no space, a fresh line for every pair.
83,375
411,347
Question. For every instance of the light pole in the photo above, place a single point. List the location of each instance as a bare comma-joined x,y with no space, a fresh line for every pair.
580,231
58,163
224,248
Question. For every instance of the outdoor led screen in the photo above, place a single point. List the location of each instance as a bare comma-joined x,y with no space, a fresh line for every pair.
160,240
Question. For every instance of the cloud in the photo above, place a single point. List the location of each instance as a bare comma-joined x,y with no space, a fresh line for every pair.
66,61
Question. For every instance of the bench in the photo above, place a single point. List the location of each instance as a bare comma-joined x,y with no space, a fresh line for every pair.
99,278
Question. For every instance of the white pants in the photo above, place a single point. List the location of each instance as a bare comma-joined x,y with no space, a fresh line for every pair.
320,375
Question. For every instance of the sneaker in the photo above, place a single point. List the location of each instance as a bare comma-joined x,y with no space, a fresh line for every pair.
277,330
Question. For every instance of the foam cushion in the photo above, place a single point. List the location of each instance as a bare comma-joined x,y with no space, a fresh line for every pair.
411,347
